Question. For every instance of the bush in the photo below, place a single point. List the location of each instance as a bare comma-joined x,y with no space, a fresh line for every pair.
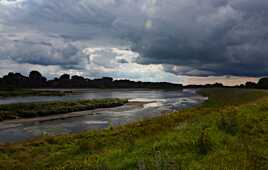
203,143
263,83
228,124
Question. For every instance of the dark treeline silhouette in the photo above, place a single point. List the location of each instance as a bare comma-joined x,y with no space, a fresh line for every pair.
262,84
205,86
36,80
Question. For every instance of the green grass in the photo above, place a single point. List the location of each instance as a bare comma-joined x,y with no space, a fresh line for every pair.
29,92
29,110
229,131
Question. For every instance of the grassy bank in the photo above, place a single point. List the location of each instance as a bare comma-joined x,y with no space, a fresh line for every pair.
28,110
229,131
29,92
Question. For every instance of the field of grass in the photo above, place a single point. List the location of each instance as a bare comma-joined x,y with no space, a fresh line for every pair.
29,110
29,92
229,131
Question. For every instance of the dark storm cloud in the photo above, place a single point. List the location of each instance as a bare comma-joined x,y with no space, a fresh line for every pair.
122,61
225,38
39,52
188,37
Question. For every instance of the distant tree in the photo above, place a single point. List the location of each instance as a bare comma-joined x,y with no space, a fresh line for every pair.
218,85
77,78
37,80
14,80
65,77
35,75
263,83
251,85
242,86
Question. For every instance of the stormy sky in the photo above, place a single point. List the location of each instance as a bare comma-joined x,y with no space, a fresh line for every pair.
183,41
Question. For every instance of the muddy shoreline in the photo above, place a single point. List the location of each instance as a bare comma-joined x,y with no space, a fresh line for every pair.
142,105
9,124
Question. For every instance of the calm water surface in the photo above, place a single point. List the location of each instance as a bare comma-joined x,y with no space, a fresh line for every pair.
157,102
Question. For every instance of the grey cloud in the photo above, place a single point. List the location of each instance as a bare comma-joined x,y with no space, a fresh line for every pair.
122,61
42,52
186,70
208,37
230,36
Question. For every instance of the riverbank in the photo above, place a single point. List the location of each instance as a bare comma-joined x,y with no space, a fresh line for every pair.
229,131
14,123
39,109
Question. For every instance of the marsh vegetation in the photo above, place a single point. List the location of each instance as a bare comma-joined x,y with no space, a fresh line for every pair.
29,110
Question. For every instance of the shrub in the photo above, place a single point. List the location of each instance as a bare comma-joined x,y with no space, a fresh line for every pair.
228,124
203,143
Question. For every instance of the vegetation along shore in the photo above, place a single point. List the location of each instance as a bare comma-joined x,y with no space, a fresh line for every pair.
229,131
29,110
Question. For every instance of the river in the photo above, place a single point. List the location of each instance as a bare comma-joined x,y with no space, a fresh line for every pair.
142,104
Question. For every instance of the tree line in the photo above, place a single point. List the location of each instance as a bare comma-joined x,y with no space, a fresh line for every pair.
261,84
36,80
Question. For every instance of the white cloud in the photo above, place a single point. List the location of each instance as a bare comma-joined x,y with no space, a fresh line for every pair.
107,61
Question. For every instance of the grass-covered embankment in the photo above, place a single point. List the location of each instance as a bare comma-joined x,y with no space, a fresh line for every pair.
229,131
29,110
29,92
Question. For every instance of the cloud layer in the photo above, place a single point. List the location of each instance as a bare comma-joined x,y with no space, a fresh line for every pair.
171,38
